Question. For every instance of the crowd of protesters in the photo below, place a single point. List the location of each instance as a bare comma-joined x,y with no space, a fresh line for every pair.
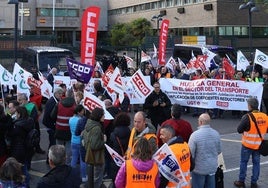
69,125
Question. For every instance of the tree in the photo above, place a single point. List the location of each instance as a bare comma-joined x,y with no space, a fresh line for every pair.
130,34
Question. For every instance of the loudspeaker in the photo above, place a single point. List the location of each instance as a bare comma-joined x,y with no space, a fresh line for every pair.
181,10
208,7
163,12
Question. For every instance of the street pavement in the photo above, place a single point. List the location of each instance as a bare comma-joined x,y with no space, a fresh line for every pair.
231,145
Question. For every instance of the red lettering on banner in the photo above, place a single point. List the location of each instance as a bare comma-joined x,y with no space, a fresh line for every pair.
222,104
91,104
141,85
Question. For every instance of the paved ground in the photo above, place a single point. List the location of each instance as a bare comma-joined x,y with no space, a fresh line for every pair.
231,152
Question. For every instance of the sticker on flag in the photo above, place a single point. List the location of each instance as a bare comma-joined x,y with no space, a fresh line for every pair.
168,165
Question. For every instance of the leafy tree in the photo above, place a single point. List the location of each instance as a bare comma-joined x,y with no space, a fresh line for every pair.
130,34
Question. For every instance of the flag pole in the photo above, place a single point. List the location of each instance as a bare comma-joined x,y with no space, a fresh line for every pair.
3,97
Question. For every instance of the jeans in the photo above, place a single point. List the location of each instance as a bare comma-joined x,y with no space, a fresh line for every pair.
75,156
245,154
67,145
98,175
26,173
206,181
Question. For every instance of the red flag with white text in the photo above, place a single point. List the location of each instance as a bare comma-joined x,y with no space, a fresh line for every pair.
89,29
163,42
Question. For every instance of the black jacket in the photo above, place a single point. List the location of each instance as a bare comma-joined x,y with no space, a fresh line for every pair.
47,120
62,176
5,126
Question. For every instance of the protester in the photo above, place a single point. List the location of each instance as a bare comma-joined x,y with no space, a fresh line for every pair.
31,107
5,126
134,172
76,142
60,175
182,152
21,127
99,90
12,108
251,141
47,120
182,127
205,146
163,73
11,174
119,139
95,145
157,103
50,77
62,112
265,89
141,129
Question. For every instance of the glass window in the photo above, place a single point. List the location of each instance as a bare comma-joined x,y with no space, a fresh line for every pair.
221,30
187,2
161,4
154,5
72,13
147,6
178,2
44,12
60,12
229,31
169,3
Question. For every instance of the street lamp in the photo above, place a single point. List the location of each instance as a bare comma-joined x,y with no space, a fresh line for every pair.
250,5
16,3
158,18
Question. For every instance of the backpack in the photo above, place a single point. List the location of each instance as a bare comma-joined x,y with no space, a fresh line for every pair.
219,177
32,139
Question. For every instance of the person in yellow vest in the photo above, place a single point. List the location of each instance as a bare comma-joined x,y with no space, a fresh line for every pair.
182,152
140,171
163,73
141,129
251,142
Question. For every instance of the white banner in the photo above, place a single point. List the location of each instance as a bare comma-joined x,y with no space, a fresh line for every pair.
118,159
211,93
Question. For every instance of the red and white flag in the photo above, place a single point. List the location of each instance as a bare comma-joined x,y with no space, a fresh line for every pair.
118,159
130,62
171,64
89,30
116,84
261,59
46,88
144,57
106,77
209,55
163,42
155,52
91,102
140,86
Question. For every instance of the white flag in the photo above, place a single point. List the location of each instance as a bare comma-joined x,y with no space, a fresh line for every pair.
118,159
91,102
116,84
261,59
46,88
242,61
209,54
140,86
171,64
155,51
169,166
5,77
130,62
145,57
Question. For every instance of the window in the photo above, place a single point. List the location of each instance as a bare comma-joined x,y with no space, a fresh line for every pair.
169,3
178,2
161,4
154,5
229,31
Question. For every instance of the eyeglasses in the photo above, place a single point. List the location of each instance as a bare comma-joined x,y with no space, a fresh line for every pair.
156,87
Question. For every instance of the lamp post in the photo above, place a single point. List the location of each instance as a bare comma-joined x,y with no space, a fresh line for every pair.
16,3
250,5
158,18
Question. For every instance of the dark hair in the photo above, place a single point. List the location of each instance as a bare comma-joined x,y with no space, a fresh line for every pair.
122,119
14,102
176,111
11,171
22,111
78,108
96,114
97,85
142,150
